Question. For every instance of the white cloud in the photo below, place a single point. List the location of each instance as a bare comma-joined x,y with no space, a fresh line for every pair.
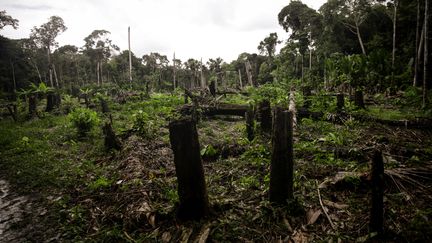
191,28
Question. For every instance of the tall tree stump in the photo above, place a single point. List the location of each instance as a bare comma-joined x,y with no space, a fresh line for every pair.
111,141
189,169
264,115
13,112
282,161
212,88
358,99
340,102
50,102
250,124
32,105
57,100
307,93
104,105
377,200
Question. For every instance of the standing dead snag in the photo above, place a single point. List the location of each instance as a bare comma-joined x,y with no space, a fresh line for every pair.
264,113
307,93
377,201
282,162
250,124
111,140
32,99
340,102
189,169
358,99
104,105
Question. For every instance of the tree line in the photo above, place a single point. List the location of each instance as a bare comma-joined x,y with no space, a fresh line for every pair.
372,45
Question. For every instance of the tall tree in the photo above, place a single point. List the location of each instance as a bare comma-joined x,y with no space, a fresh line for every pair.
99,46
268,45
6,20
45,36
303,23
417,46
426,52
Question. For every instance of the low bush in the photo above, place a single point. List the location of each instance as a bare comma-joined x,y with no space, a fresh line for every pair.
84,120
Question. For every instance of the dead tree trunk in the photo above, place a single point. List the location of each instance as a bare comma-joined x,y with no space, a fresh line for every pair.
307,92
50,102
111,141
377,201
32,105
13,111
212,88
426,53
250,124
265,117
189,169
57,100
104,105
281,168
340,102
358,99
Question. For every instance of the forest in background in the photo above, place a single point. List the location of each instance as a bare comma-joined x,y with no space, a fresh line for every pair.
376,46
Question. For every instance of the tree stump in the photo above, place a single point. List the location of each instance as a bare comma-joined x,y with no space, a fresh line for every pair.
340,102
104,105
50,102
265,117
250,124
32,105
212,88
358,99
111,141
189,170
13,112
377,200
282,161
307,93
57,99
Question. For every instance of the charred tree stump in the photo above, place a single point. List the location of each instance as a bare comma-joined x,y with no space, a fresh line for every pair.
111,141
86,101
307,93
358,99
212,88
377,201
50,102
250,124
265,117
282,162
13,111
189,169
57,99
340,102
32,105
104,105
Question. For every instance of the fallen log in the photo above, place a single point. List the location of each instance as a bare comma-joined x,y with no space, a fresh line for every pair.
219,109
225,109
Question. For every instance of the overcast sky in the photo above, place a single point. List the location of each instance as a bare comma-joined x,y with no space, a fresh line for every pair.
191,28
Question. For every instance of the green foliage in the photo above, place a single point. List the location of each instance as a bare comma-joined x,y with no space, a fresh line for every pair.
249,182
209,151
100,183
276,93
84,120
258,154
69,104
143,125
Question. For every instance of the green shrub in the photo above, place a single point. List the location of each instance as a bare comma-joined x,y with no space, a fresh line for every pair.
84,120
69,104
143,125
